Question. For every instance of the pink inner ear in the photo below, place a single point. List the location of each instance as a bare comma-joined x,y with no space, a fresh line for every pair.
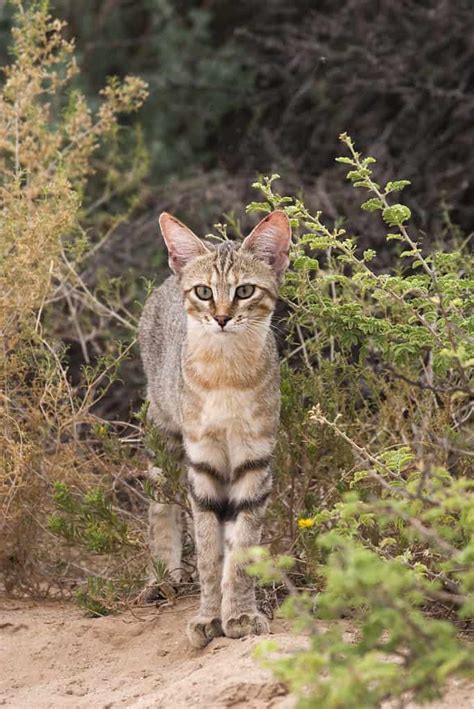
182,244
270,241
281,262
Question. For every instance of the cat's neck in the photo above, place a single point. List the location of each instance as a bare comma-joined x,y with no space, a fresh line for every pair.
220,360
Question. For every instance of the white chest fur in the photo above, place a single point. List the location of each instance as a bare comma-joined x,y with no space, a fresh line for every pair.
227,408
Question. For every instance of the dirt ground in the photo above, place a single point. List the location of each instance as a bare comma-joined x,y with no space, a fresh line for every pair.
51,655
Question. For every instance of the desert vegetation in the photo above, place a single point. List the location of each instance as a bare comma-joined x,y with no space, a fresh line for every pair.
383,381
372,516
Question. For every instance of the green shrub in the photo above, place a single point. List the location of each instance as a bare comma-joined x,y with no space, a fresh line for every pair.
376,451
89,521
392,650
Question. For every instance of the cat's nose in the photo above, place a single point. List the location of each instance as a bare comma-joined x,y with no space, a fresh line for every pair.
222,320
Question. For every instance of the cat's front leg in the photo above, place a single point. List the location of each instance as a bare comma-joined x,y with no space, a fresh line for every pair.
249,498
206,505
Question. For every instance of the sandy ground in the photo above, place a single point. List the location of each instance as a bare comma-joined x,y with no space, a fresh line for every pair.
53,656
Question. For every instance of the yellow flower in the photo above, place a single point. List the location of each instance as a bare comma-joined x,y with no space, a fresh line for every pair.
305,523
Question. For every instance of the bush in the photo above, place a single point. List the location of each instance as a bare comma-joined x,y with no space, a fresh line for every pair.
375,450
51,146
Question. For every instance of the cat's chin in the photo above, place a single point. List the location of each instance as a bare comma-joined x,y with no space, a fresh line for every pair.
223,334
217,331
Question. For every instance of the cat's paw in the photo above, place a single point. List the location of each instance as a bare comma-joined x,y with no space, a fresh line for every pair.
201,630
246,624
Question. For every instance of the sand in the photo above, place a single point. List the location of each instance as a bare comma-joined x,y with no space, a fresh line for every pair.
51,655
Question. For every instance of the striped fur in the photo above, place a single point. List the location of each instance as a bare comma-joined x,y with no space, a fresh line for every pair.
217,386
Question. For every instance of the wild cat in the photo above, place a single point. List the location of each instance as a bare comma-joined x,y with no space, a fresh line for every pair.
213,384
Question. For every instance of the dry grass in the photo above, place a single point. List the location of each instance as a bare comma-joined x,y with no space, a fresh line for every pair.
50,146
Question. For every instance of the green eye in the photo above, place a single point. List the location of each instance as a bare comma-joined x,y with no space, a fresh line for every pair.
244,291
203,292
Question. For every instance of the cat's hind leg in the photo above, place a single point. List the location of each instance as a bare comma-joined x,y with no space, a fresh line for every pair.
165,519
165,538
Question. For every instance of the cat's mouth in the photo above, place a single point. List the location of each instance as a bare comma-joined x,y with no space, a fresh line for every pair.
226,329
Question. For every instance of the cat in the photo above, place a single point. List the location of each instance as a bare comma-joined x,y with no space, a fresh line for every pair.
213,385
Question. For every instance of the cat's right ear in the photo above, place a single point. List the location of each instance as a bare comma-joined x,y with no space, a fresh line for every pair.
182,244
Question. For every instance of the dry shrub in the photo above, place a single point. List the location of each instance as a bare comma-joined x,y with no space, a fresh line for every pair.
50,145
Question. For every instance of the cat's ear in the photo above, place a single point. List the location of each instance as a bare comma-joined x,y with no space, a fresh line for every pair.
182,244
270,241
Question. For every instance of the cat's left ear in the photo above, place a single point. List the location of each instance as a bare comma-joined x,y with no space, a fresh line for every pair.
270,241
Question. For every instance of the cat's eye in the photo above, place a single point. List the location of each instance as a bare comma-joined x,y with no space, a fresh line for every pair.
244,291
203,292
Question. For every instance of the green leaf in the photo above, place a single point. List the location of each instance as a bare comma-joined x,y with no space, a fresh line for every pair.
258,207
396,185
396,215
318,242
305,262
387,542
358,476
372,204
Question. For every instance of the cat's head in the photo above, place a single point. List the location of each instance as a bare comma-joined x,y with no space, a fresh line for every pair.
230,288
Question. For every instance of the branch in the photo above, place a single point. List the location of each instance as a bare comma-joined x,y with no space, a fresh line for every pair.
424,385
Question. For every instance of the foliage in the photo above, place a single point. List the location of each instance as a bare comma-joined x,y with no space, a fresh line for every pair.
89,521
51,145
386,362
240,87
98,598
393,651
165,484
196,83
101,596
196,77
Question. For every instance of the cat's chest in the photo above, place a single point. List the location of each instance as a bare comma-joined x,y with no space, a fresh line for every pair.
227,408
